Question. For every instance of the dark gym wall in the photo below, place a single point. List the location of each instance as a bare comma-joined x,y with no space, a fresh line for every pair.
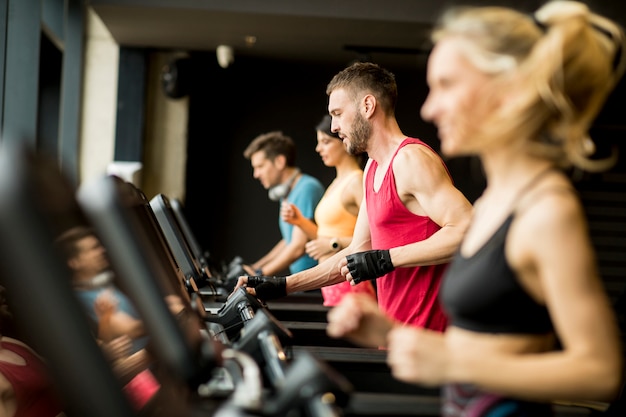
225,206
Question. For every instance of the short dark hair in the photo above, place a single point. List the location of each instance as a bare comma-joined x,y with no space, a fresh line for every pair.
368,77
66,242
273,144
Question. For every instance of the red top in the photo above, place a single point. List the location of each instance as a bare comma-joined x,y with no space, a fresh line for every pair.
409,295
33,389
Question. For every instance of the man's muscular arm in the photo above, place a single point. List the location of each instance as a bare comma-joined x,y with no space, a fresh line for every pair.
432,194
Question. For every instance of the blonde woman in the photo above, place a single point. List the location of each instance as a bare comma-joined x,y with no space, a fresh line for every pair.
529,320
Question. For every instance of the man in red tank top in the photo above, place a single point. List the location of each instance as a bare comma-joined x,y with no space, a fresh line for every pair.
412,220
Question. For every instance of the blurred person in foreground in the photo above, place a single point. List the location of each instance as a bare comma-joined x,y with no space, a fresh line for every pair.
26,388
530,322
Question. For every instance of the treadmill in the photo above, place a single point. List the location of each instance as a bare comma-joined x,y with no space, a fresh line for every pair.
294,309
366,369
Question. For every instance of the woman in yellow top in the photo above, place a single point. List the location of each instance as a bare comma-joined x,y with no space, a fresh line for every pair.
335,214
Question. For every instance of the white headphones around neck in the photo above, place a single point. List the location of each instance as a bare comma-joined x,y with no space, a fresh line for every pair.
280,191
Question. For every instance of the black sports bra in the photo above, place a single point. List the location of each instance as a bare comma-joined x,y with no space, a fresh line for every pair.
481,293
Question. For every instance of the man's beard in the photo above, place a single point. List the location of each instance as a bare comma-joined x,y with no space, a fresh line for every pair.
359,135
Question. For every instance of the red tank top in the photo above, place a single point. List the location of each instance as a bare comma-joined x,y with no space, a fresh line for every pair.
409,295
33,388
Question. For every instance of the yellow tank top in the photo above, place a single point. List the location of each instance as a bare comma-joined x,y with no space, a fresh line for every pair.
332,219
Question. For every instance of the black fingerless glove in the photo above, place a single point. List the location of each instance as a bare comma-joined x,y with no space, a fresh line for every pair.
370,264
268,288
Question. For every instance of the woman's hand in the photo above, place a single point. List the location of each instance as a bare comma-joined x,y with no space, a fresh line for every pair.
358,318
417,355
317,248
